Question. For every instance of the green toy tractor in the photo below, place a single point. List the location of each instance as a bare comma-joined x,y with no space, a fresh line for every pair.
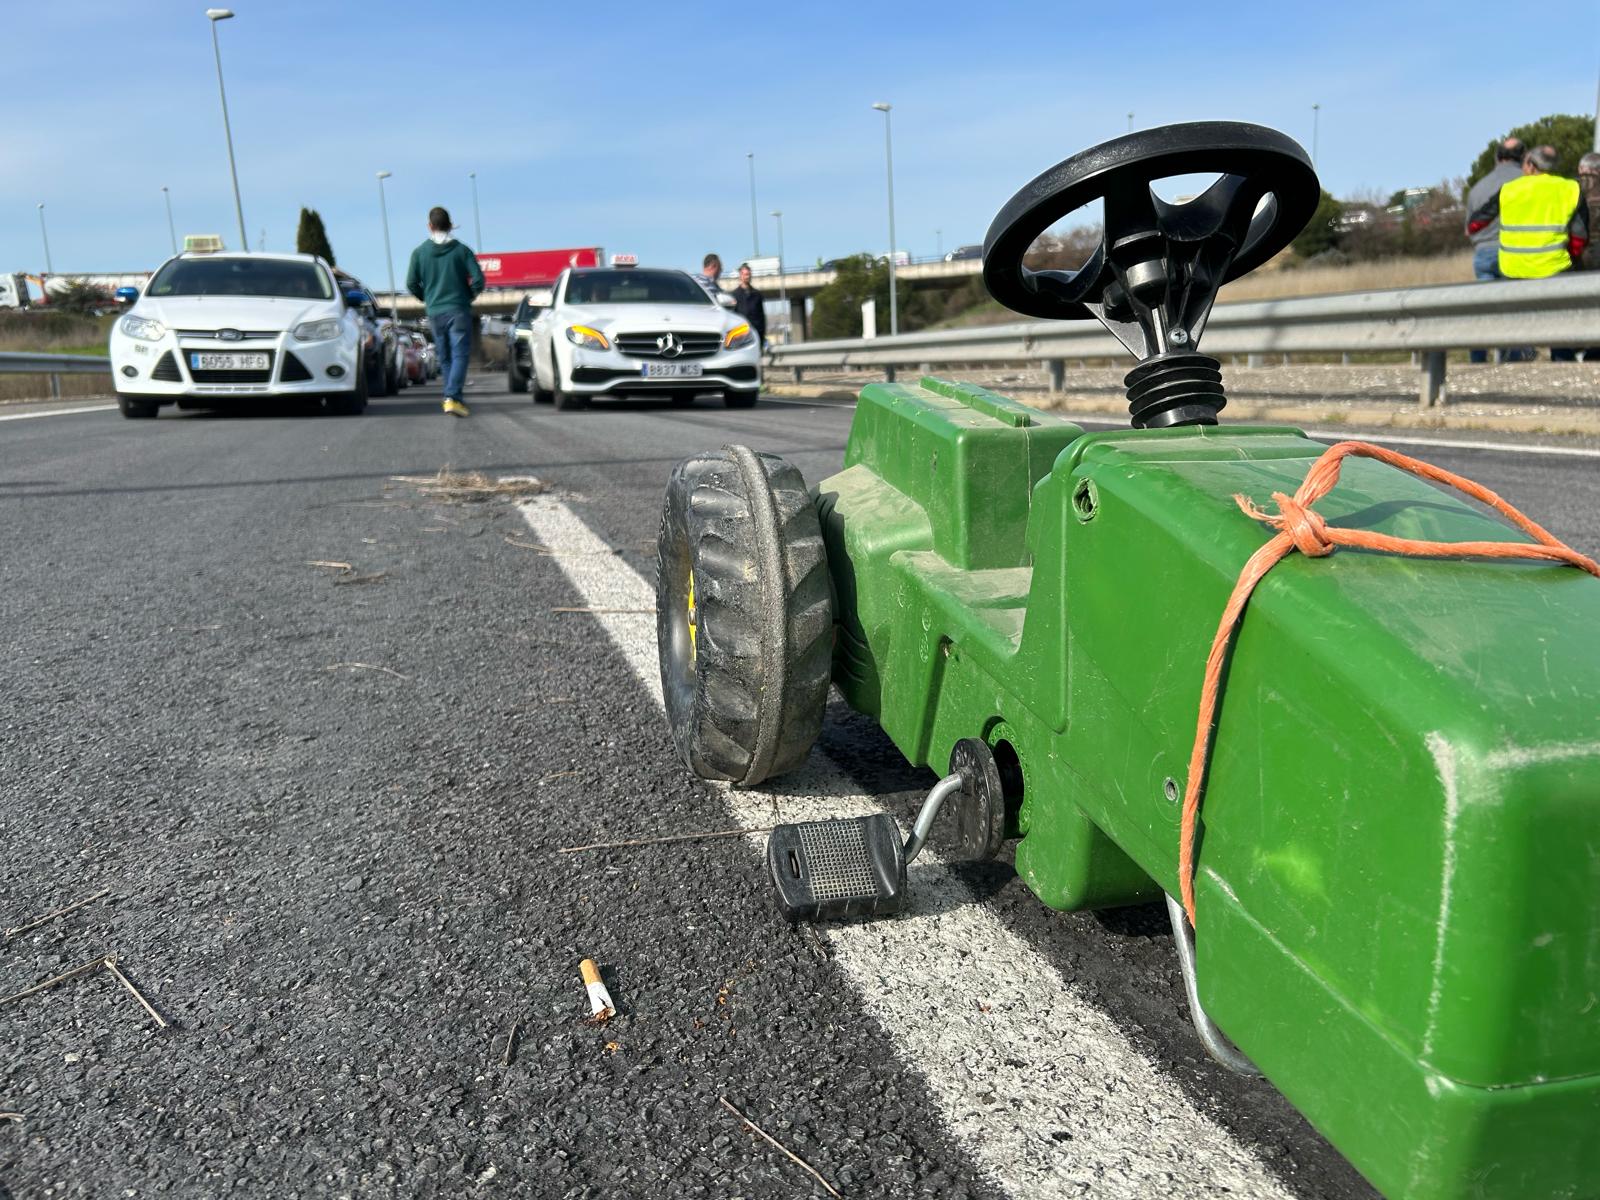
1396,874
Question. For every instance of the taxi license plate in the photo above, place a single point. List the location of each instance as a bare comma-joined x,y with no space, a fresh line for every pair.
227,362
671,370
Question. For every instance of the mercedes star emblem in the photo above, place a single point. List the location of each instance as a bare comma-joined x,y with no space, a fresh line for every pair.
669,345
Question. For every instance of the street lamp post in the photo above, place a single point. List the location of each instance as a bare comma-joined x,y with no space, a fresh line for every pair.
1130,122
477,223
888,156
938,243
388,254
215,15
755,232
783,288
172,230
44,234
1316,121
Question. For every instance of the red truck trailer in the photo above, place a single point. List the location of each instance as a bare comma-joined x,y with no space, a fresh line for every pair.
535,268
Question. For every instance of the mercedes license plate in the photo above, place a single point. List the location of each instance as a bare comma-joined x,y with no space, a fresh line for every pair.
671,370
227,362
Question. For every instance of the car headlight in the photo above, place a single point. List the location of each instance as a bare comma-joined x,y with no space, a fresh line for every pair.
143,328
591,339
738,337
317,331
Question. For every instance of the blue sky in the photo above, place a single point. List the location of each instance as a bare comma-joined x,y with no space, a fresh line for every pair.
627,125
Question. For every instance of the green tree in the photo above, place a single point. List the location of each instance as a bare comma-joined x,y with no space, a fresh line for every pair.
836,309
79,296
1573,137
1321,232
312,238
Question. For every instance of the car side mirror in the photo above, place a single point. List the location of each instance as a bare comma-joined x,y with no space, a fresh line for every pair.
355,298
725,300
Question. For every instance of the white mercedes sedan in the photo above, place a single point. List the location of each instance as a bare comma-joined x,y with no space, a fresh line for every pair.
211,328
639,331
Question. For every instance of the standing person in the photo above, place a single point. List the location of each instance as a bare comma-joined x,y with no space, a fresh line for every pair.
1589,183
710,274
1544,223
445,276
750,303
1486,241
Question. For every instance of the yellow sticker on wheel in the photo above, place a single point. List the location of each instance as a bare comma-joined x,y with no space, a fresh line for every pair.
693,647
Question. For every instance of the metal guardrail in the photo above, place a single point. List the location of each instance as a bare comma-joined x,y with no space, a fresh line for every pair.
1427,322
53,365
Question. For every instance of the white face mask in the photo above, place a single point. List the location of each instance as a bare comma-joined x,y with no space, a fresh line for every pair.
440,236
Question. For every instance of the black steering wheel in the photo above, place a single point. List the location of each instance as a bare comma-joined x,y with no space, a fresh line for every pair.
1158,268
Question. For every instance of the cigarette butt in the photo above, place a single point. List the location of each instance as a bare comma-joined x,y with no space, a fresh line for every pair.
599,999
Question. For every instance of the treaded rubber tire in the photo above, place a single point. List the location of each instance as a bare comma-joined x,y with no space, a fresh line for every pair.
745,696
566,401
740,399
374,387
136,409
351,404
541,395
516,381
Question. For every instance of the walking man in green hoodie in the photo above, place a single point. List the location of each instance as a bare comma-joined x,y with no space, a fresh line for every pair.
445,276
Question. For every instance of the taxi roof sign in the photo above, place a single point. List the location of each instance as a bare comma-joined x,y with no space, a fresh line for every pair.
624,260
202,243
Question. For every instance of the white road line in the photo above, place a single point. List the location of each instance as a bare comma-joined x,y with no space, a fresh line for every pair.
55,412
1345,435
1400,439
1010,1052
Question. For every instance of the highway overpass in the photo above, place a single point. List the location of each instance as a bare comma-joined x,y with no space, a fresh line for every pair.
795,284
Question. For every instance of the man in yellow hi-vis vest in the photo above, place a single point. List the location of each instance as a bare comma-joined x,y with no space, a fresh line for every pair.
1544,223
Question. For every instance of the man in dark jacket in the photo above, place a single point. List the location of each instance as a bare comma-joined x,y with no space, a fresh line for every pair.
445,276
1486,241
751,304
1589,182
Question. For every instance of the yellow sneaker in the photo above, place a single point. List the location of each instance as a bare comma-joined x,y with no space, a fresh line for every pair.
456,409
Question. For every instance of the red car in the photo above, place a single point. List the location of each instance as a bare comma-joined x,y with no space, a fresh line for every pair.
412,368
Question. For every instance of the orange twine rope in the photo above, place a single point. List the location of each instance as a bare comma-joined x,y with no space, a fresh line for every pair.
1300,528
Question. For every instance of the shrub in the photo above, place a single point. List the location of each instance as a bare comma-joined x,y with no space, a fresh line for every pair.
78,296
836,309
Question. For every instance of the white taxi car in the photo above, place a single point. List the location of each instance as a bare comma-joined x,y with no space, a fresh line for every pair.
215,327
639,331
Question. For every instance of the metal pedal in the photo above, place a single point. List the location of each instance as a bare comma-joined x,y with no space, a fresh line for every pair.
853,867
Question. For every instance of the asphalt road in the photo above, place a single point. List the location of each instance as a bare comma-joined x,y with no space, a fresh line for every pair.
328,805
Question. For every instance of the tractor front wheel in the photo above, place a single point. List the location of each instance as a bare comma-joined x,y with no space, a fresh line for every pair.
744,615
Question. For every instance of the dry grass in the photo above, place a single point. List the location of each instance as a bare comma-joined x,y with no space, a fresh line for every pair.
471,487
36,332
41,332
15,389
1276,281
